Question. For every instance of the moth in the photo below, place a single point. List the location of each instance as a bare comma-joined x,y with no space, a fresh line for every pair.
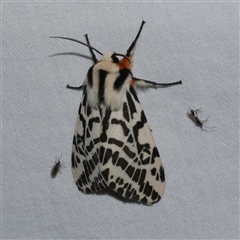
113,146
56,167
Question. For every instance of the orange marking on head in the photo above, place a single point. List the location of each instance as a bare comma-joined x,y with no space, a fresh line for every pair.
126,63
121,66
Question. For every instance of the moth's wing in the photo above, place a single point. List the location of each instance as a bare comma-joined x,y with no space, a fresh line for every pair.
130,162
85,149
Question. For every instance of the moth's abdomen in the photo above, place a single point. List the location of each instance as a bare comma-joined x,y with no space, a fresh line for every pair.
106,84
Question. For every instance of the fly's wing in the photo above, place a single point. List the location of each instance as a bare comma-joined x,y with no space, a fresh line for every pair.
85,149
130,162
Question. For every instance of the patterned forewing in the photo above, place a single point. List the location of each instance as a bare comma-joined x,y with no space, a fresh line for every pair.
85,149
130,162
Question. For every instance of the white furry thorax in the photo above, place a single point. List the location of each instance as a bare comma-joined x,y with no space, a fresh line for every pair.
112,96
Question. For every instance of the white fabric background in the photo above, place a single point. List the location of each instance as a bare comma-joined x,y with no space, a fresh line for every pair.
194,42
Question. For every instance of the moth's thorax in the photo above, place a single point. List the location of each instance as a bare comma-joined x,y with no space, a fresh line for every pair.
106,83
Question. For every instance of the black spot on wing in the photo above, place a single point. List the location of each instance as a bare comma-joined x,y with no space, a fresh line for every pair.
135,196
115,142
153,171
78,159
95,158
125,112
117,180
141,179
143,118
120,191
87,171
83,178
77,141
130,171
105,174
74,165
112,185
107,156
115,157
92,164
105,125
162,174
148,189
154,155
155,152
121,182
136,175
89,111
93,187
129,192
130,139
147,150
102,151
96,140
122,163
128,152
88,190
90,147
80,151
146,161
144,200
83,122
129,187
79,183
155,195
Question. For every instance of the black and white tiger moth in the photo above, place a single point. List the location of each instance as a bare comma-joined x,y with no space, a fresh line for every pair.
113,145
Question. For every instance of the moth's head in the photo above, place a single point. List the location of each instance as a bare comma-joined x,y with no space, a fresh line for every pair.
110,56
